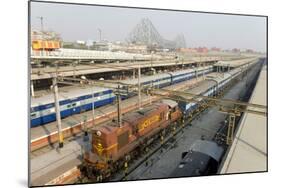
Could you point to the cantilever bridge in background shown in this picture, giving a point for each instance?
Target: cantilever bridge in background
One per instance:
(145, 33)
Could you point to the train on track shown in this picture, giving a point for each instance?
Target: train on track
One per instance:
(81, 99)
(115, 145)
(203, 158)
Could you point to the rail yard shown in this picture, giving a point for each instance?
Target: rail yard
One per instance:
(110, 112)
(158, 118)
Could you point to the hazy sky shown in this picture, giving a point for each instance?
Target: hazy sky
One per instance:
(80, 22)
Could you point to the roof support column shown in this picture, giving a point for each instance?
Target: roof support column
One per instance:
(32, 88)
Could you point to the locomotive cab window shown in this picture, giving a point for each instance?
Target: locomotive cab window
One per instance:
(172, 110)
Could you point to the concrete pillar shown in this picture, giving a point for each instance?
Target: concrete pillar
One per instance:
(93, 106)
(32, 88)
(57, 107)
(119, 114)
(134, 73)
(139, 87)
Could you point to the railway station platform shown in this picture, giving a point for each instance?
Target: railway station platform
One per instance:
(248, 152)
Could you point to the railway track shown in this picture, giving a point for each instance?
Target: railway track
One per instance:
(159, 147)
(172, 142)
(164, 146)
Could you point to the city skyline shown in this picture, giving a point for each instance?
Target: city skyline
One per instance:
(199, 29)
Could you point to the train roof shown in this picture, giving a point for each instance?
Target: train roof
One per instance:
(209, 148)
(161, 75)
(181, 72)
(194, 164)
(196, 160)
(146, 78)
(223, 76)
(204, 85)
(65, 94)
(133, 117)
(188, 70)
(170, 103)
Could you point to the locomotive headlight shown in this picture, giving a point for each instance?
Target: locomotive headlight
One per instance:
(98, 133)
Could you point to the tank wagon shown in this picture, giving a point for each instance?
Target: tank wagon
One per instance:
(114, 145)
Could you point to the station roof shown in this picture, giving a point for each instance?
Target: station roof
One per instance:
(80, 69)
(235, 63)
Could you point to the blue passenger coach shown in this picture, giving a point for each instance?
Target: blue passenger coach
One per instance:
(80, 99)
(72, 102)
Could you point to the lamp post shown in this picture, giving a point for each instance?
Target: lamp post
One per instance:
(42, 30)
(93, 101)
(93, 108)
(57, 107)
(41, 21)
(99, 30)
(151, 59)
(195, 73)
(32, 88)
(139, 87)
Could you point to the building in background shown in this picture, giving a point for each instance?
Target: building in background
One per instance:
(45, 35)
(202, 50)
(215, 49)
(236, 50)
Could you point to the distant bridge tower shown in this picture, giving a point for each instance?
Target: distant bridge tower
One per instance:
(145, 33)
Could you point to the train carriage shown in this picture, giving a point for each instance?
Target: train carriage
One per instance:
(72, 102)
(80, 99)
(210, 87)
